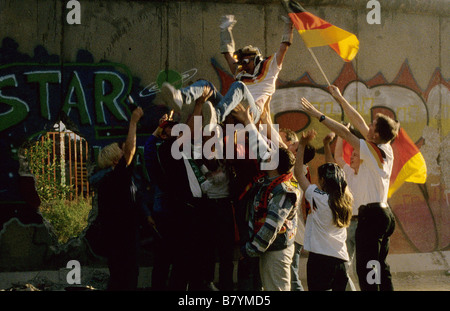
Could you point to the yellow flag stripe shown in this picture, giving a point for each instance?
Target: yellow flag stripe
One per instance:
(327, 36)
(414, 170)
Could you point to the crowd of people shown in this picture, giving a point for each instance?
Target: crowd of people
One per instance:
(208, 209)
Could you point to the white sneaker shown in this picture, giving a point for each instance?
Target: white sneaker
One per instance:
(209, 114)
(171, 96)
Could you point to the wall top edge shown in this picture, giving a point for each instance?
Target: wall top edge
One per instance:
(435, 7)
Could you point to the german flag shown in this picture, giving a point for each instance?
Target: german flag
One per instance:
(317, 32)
(409, 163)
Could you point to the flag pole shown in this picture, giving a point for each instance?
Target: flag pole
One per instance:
(318, 64)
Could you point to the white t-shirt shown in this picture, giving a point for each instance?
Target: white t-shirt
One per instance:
(356, 185)
(262, 86)
(374, 175)
(322, 236)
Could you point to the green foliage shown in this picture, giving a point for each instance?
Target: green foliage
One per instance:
(47, 171)
(68, 218)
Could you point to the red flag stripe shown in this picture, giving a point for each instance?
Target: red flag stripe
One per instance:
(307, 21)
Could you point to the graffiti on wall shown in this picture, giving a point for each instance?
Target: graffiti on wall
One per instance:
(39, 91)
(91, 99)
(422, 210)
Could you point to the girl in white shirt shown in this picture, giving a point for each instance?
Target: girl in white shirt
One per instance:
(325, 232)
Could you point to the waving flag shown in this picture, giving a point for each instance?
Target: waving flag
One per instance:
(317, 32)
(409, 164)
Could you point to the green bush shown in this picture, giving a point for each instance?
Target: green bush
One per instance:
(68, 218)
(47, 186)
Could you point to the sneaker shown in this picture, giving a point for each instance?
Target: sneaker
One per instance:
(171, 96)
(209, 114)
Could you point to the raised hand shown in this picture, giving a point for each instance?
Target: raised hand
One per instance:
(227, 21)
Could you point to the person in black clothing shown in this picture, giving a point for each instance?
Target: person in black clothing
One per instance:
(118, 211)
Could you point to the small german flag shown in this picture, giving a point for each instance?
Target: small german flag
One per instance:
(317, 32)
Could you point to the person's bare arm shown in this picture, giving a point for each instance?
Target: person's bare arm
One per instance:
(286, 39)
(327, 148)
(130, 143)
(333, 125)
(282, 53)
(354, 117)
(339, 152)
(298, 168)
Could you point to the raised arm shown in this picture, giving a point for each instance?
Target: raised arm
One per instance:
(327, 148)
(130, 143)
(286, 39)
(334, 126)
(339, 152)
(298, 168)
(227, 46)
(355, 118)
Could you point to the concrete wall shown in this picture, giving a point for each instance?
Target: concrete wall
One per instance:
(402, 66)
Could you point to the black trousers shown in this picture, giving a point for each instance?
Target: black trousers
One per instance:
(375, 226)
(123, 263)
(325, 273)
(220, 239)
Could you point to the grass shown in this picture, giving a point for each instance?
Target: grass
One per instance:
(68, 218)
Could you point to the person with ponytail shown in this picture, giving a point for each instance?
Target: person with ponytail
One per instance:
(325, 231)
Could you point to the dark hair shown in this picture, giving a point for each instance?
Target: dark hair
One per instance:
(340, 199)
(310, 153)
(286, 161)
(386, 127)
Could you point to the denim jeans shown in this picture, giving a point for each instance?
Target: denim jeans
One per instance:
(351, 246)
(296, 283)
(375, 226)
(223, 105)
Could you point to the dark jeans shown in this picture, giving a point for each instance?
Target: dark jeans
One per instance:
(223, 104)
(248, 277)
(221, 240)
(164, 251)
(123, 264)
(375, 226)
(189, 265)
(325, 273)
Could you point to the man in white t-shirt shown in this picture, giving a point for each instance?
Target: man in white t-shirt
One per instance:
(376, 221)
